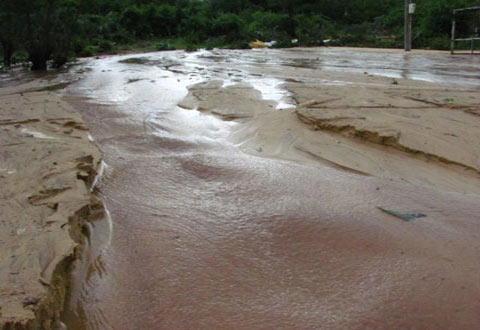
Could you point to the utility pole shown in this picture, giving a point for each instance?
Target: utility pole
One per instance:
(409, 9)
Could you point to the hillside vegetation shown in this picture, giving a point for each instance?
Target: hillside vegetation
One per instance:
(57, 30)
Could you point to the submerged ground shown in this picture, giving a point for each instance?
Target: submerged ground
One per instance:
(282, 189)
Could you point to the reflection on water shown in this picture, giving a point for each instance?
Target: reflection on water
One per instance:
(431, 68)
(207, 237)
(460, 69)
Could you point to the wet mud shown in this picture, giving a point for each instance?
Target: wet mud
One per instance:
(236, 214)
(47, 166)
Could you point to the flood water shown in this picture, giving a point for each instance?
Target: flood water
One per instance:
(203, 236)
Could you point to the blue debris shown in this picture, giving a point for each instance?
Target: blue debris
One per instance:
(407, 217)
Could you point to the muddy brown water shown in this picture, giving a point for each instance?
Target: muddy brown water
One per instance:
(203, 236)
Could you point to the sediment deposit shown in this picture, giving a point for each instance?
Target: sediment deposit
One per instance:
(47, 167)
(410, 131)
(285, 189)
(273, 189)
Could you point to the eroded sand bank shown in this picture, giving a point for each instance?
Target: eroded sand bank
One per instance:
(411, 131)
(47, 166)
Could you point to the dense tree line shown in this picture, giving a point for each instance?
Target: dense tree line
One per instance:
(42, 30)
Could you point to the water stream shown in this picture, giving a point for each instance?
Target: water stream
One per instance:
(204, 236)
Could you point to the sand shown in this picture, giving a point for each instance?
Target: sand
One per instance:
(213, 229)
(47, 165)
(423, 133)
(395, 131)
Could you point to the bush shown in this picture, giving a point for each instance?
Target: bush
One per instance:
(190, 48)
(284, 43)
(162, 46)
(238, 45)
(20, 57)
(196, 28)
(440, 43)
(89, 51)
(311, 30)
(104, 45)
(267, 25)
(435, 19)
(230, 26)
(133, 18)
(162, 19)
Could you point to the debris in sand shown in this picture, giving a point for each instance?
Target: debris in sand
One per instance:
(262, 44)
(407, 217)
(29, 301)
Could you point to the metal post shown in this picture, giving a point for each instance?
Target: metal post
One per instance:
(452, 42)
(405, 28)
(410, 19)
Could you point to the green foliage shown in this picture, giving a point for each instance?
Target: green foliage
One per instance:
(267, 25)
(8, 34)
(161, 46)
(196, 28)
(441, 43)
(435, 19)
(134, 21)
(191, 48)
(312, 30)
(103, 45)
(59, 29)
(108, 27)
(88, 51)
(163, 20)
(230, 26)
(20, 57)
(226, 6)
(237, 45)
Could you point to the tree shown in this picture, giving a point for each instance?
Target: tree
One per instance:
(44, 28)
(230, 26)
(8, 31)
(162, 19)
(48, 29)
(268, 25)
(226, 6)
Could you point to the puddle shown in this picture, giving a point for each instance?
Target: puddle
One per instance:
(271, 90)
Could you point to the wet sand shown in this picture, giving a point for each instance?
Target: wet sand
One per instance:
(47, 165)
(282, 189)
(266, 190)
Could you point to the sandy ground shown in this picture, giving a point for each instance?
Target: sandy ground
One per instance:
(333, 257)
(352, 203)
(47, 163)
(422, 133)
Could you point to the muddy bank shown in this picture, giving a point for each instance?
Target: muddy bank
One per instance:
(47, 168)
(409, 131)
(420, 133)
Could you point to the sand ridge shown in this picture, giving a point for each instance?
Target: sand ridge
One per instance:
(409, 131)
